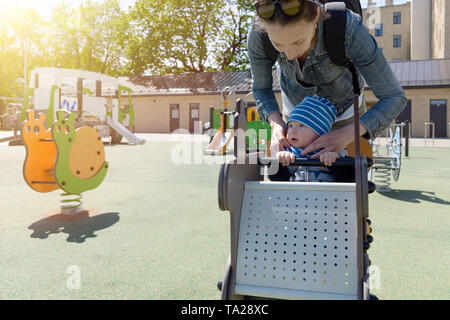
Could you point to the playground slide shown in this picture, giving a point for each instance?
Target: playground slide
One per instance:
(219, 143)
(123, 131)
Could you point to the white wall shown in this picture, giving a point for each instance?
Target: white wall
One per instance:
(421, 30)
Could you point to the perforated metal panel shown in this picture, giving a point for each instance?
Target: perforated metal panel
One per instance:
(298, 236)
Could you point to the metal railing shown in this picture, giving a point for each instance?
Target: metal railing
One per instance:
(407, 137)
(402, 129)
(407, 125)
(433, 132)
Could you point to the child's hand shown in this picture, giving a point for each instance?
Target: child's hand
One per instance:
(285, 158)
(328, 158)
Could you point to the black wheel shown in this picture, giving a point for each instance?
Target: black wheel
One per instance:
(372, 187)
(220, 285)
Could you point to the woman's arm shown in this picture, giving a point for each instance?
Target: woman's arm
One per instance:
(362, 50)
(261, 69)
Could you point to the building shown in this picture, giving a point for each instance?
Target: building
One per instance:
(166, 103)
(411, 31)
(430, 25)
(427, 87)
(169, 102)
(393, 31)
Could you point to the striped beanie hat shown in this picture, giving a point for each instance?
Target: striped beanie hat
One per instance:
(317, 113)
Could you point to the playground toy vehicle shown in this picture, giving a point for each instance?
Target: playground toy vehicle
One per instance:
(62, 157)
(222, 126)
(294, 240)
(224, 133)
(388, 165)
(94, 97)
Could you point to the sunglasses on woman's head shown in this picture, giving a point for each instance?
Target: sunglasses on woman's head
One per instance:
(266, 8)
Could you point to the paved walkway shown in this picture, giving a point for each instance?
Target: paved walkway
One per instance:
(155, 230)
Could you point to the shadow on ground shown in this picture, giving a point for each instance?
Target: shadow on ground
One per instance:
(78, 227)
(414, 196)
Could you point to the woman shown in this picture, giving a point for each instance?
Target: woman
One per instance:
(295, 28)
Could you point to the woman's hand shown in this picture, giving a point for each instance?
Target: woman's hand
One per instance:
(279, 130)
(328, 158)
(334, 141)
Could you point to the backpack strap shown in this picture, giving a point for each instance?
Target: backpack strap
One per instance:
(334, 35)
(334, 32)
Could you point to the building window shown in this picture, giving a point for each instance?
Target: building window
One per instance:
(396, 60)
(381, 50)
(397, 41)
(438, 103)
(397, 17)
(379, 30)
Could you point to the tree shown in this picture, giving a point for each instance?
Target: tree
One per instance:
(156, 37)
(64, 37)
(103, 25)
(231, 50)
(88, 37)
(174, 36)
(21, 31)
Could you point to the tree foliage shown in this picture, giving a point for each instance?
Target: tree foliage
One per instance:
(20, 32)
(231, 52)
(173, 36)
(89, 37)
(152, 37)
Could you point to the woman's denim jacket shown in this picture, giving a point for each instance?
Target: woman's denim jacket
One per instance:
(328, 80)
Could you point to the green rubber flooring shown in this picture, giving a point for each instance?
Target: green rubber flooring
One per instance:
(155, 231)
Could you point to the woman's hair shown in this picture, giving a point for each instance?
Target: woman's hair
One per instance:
(308, 13)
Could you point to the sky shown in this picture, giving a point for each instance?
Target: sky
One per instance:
(381, 2)
(44, 7)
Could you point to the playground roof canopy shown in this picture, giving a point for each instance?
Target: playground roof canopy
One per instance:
(59, 74)
(411, 74)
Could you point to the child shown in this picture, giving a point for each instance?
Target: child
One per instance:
(309, 120)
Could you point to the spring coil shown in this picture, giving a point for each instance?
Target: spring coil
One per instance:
(71, 205)
(383, 179)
